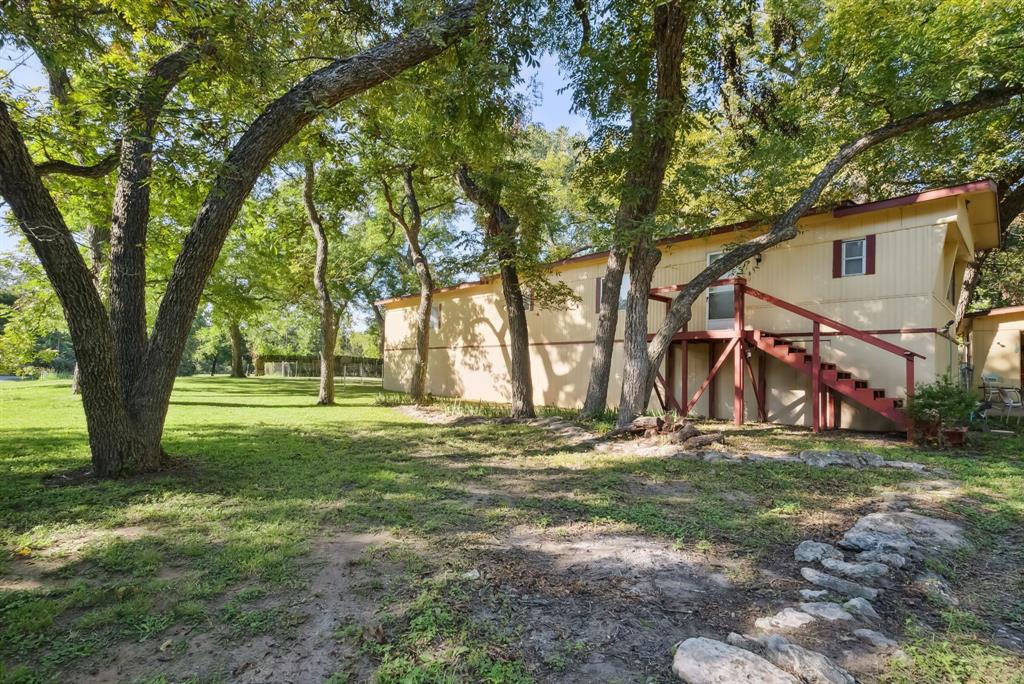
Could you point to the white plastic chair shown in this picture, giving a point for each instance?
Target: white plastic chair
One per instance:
(1011, 400)
(990, 383)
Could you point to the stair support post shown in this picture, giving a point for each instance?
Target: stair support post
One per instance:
(684, 371)
(738, 409)
(816, 378)
(909, 393)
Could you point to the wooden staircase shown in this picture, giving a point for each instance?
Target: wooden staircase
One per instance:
(830, 376)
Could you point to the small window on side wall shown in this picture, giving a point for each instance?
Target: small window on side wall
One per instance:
(528, 300)
(435, 317)
(854, 257)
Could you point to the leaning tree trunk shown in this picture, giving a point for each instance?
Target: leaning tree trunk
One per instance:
(235, 333)
(604, 343)
(328, 322)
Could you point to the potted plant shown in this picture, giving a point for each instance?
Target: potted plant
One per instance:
(940, 411)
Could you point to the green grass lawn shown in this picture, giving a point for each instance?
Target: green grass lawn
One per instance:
(224, 548)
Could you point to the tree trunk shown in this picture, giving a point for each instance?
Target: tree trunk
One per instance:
(604, 343)
(972, 276)
(130, 216)
(378, 315)
(502, 234)
(76, 380)
(637, 373)
(237, 367)
(113, 441)
(418, 383)
(411, 226)
(328, 324)
(213, 364)
(519, 344)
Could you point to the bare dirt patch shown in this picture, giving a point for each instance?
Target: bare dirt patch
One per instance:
(316, 648)
(599, 605)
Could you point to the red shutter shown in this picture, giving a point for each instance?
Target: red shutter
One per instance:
(837, 259)
(869, 249)
(597, 296)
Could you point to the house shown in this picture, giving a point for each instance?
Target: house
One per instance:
(997, 344)
(877, 281)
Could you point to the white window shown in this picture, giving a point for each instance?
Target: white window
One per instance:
(854, 257)
(721, 314)
(435, 317)
(624, 291)
(527, 300)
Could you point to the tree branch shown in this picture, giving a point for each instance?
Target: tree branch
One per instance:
(97, 170)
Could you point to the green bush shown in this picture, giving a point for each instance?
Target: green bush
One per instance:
(941, 404)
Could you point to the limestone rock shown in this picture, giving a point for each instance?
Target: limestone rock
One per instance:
(858, 571)
(839, 585)
(810, 551)
(862, 608)
(893, 560)
(891, 528)
(826, 610)
(876, 639)
(937, 588)
(787, 618)
(813, 594)
(705, 661)
(846, 459)
(810, 666)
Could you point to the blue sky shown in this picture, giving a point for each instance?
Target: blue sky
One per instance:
(551, 109)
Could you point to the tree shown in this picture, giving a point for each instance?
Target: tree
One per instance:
(502, 231)
(629, 67)
(328, 317)
(126, 407)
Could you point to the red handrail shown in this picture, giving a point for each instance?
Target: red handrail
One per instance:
(836, 325)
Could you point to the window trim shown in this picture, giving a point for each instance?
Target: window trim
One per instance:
(863, 257)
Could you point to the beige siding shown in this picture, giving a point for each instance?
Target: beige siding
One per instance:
(996, 347)
(915, 252)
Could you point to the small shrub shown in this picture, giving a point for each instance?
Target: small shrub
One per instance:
(939, 405)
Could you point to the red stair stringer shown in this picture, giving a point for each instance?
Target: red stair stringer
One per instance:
(832, 377)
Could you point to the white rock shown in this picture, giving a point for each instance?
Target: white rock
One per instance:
(936, 587)
(847, 459)
(787, 618)
(839, 585)
(810, 666)
(893, 560)
(876, 639)
(706, 661)
(934, 533)
(473, 574)
(826, 610)
(810, 551)
(862, 607)
(859, 571)
(813, 594)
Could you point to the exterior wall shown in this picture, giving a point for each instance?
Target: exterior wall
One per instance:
(996, 347)
(915, 247)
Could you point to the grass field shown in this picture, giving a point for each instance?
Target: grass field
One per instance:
(293, 541)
